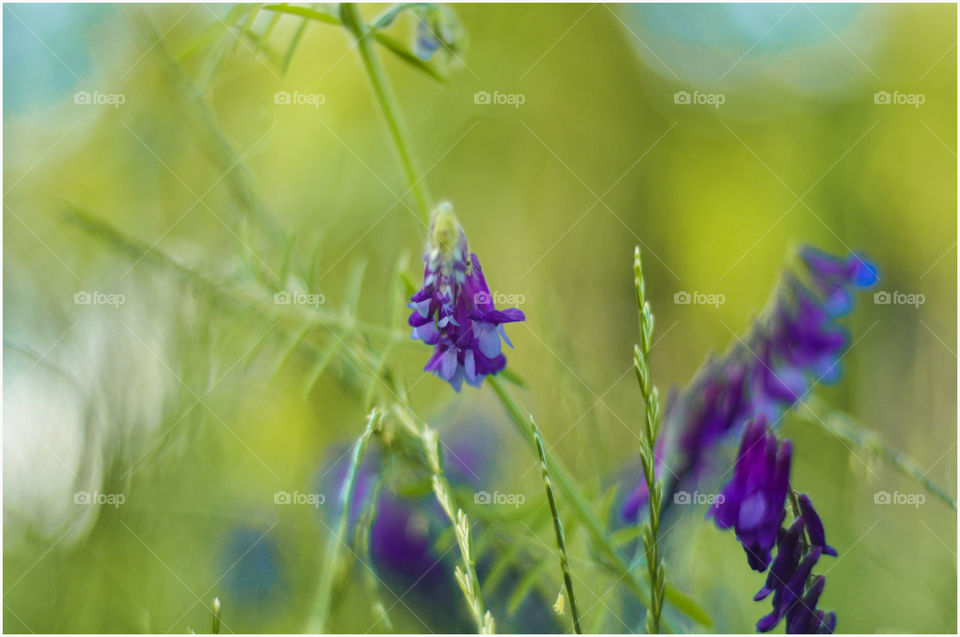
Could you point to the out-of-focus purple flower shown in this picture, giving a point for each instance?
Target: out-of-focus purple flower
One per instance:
(753, 501)
(814, 526)
(796, 344)
(788, 592)
(454, 310)
(789, 575)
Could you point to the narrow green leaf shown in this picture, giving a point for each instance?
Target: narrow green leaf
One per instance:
(526, 583)
(321, 364)
(304, 12)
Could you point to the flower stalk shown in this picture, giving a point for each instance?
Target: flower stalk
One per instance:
(466, 576)
(558, 528)
(388, 104)
(651, 528)
(336, 539)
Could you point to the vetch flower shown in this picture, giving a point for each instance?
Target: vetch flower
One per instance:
(788, 592)
(753, 501)
(454, 310)
(794, 345)
(814, 526)
(790, 574)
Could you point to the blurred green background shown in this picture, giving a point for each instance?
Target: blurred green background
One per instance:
(176, 400)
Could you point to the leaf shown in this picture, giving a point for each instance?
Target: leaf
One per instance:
(288, 351)
(321, 364)
(354, 284)
(304, 12)
(626, 534)
(527, 582)
(294, 43)
(407, 56)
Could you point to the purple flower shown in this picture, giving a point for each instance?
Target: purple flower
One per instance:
(789, 591)
(796, 344)
(814, 526)
(454, 310)
(753, 501)
(790, 573)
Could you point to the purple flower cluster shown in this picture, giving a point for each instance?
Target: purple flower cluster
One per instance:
(795, 346)
(454, 310)
(797, 343)
(754, 503)
(795, 595)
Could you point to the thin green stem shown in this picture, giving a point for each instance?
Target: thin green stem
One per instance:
(388, 104)
(467, 576)
(648, 441)
(597, 531)
(844, 427)
(212, 140)
(321, 613)
(557, 527)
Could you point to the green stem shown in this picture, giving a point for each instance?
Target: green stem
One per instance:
(843, 426)
(466, 577)
(557, 527)
(321, 614)
(212, 140)
(648, 443)
(388, 103)
(598, 533)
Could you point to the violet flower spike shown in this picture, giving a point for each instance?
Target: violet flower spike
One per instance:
(754, 500)
(454, 310)
(796, 344)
